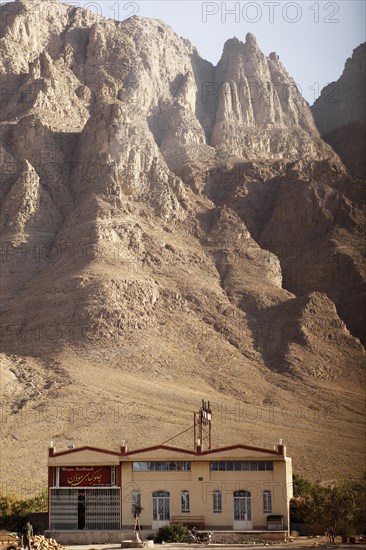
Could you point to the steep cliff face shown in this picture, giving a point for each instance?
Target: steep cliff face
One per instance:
(261, 114)
(169, 222)
(340, 113)
(311, 216)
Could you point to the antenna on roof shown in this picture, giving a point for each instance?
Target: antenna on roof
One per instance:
(202, 426)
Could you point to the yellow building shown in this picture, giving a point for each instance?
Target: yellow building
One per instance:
(228, 488)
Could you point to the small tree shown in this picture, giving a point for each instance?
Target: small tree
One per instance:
(13, 512)
(339, 507)
(301, 486)
(5, 505)
(137, 509)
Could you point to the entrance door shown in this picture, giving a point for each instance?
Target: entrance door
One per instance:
(81, 509)
(161, 509)
(242, 510)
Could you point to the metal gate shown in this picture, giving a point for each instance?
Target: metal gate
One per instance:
(63, 509)
(100, 510)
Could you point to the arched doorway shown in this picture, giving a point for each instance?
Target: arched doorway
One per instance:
(242, 510)
(161, 509)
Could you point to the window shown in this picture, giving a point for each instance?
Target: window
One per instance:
(158, 466)
(244, 465)
(184, 501)
(217, 502)
(267, 502)
(140, 466)
(136, 503)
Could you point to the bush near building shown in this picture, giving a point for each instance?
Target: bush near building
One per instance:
(15, 511)
(339, 506)
(173, 532)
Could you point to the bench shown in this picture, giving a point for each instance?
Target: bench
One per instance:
(190, 521)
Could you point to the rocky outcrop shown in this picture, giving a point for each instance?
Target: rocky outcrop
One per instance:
(27, 229)
(161, 213)
(261, 114)
(340, 113)
(310, 215)
(126, 162)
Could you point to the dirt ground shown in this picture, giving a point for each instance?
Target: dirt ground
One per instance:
(298, 542)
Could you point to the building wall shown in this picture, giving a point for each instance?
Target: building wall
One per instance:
(201, 483)
(289, 487)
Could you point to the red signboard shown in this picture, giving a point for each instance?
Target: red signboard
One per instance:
(85, 476)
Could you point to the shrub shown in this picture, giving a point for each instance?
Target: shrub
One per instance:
(14, 512)
(339, 506)
(174, 532)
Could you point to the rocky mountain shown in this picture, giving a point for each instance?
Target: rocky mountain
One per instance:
(340, 113)
(170, 230)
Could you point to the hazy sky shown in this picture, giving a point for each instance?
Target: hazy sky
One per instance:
(312, 38)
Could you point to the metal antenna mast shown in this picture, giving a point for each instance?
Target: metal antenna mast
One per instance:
(202, 425)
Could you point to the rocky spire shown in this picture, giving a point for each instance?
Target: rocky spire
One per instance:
(260, 110)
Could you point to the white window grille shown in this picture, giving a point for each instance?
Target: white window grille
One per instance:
(267, 502)
(184, 501)
(242, 506)
(217, 502)
(161, 506)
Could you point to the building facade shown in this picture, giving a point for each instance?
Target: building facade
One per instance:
(228, 488)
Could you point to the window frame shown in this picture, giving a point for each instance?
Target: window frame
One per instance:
(267, 502)
(241, 465)
(217, 502)
(161, 466)
(185, 503)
